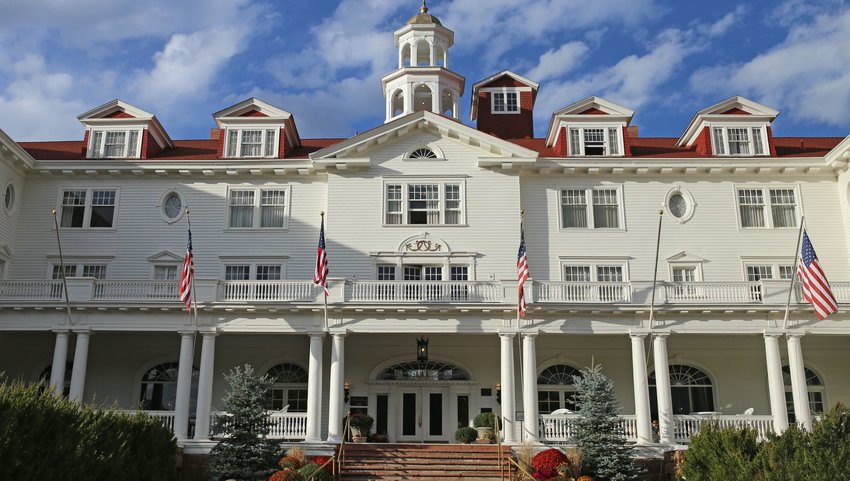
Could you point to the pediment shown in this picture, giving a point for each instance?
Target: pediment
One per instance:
(595, 106)
(115, 109)
(165, 256)
(685, 256)
(253, 109)
(738, 105)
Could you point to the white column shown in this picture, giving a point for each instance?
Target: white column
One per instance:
(205, 385)
(336, 403)
(78, 372)
(184, 384)
(508, 425)
(662, 389)
(800, 389)
(775, 384)
(529, 387)
(432, 49)
(436, 96)
(314, 389)
(644, 424)
(60, 358)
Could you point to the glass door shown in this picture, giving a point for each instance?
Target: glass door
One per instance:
(423, 415)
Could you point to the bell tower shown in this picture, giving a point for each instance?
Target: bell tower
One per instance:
(423, 80)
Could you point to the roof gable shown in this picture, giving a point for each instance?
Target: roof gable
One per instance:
(591, 109)
(115, 109)
(117, 113)
(733, 109)
(252, 107)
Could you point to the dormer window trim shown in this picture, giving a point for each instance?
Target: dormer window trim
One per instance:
(103, 142)
(584, 138)
(505, 100)
(240, 141)
(739, 140)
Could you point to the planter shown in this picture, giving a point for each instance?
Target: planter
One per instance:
(357, 435)
(485, 435)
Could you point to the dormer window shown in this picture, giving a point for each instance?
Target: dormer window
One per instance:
(114, 144)
(738, 141)
(505, 103)
(251, 143)
(595, 141)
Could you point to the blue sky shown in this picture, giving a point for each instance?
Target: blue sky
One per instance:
(322, 60)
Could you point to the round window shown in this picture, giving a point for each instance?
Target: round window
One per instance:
(173, 206)
(677, 205)
(9, 198)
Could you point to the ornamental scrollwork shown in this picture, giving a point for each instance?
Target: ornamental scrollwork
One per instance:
(423, 245)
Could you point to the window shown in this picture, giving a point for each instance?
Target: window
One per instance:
(251, 143)
(505, 103)
(289, 387)
(172, 206)
(2, 269)
(159, 388)
(690, 388)
(757, 272)
(595, 140)
(88, 208)
(9, 198)
(677, 205)
(604, 213)
(422, 153)
(98, 271)
(44, 377)
(426, 203)
(114, 144)
(814, 387)
(556, 388)
(595, 283)
(258, 208)
(738, 141)
(165, 273)
(684, 274)
(767, 207)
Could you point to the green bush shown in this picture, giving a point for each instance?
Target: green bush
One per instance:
(484, 420)
(466, 435)
(314, 470)
(363, 422)
(43, 436)
(717, 453)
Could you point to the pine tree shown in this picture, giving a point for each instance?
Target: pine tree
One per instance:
(605, 453)
(244, 453)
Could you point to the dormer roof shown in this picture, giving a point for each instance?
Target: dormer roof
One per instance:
(251, 110)
(734, 109)
(491, 80)
(592, 109)
(117, 113)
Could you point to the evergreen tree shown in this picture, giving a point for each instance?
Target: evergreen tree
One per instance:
(605, 454)
(244, 453)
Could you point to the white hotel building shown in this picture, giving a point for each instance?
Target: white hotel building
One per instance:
(422, 225)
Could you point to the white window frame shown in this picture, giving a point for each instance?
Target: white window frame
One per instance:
(505, 92)
(722, 138)
(775, 264)
(405, 200)
(88, 206)
(696, 266)
(618, 128)
(264, 129)
(252, 264)
(594, 263)
(97, 151)
(79, 266)
(160, 264)
(689, 200)
(588, 195)
(446, 262)
(767, 210)
(257, 211)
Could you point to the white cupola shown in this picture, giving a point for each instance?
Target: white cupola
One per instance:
(423, 80)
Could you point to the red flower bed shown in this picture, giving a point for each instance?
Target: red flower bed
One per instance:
(549, 460)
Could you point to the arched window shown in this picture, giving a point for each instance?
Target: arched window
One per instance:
(66, 385)
(423, 371)
(289, 387)
(423, 54)
(556, 388)
(159, 388)
(406, 60)
(814, 386)
(422, 98)
(440, 55)
(447, 103)
(422, 153)
(690, 388)
(397, 103)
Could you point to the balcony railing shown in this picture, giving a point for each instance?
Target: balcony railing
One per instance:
(166, 417)
(561, 428)
(713, 292)
(31, 290)
(284, 425)
(583, 292)
(153, 291)
(266, 291)
(423, 291)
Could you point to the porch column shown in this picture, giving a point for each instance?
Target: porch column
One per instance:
(507, 382)
(205, 384)
(336, 403)
(662, 388)
(78, 372)
(775, 384)
(529, 387)
(184, 384)
(314, 389)
(644, 424)
(60, 358)
(802, 413)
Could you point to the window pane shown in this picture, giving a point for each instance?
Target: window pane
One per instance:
(232, 141)
(252, 143)
(719, 145)
(96, 147)
(594, 141)
(609, 273)
(70, 271)
(498, 102)
(574, 142)
(237, 273)
(548, 401)
(783, 207)
(96, 271)
(684, 274)
(459, 273)
(512, 104)
(394, 213)
(739, 142)
(758, 147)
(114, 144)
(272, 208)
(452, 204)
(786, 272)
(73, 208)
(386, 272)
(605, 209)
(103, 208)
(270, 143)
(613, 142)
(577, 273)
(133, 143)
(241, 208)
(757, 273)
(165, 273)
(751, 203)
(297, 400)
(269, 273)
(423, 203)
(574, 208)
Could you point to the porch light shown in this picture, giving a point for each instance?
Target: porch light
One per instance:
(499, 393)
(422, 349)
(346, 389)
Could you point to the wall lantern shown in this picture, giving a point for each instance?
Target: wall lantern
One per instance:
(422, 350)
(499, 393)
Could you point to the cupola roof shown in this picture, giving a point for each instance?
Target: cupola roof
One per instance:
(423, 17)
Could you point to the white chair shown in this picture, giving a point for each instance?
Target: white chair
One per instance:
(749, 411)
(283, 409)
(561, 411)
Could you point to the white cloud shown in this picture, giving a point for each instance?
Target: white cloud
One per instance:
(808, 73)
(720, 27)
(557, 62)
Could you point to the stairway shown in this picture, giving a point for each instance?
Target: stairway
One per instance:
(477, 462)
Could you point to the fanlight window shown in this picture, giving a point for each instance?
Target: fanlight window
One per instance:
(426, 371)
(289, 388)
(559, 375)
(423, 154)
(556, 388)
(690, 388)
(159, 388)
(287, 373)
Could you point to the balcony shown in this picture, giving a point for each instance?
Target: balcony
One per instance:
(713, 292)
(437, 292)
(266, 291)
(583, 292)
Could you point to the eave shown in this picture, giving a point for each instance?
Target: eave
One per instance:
(797, 166)
(19, 158)
(195, 168)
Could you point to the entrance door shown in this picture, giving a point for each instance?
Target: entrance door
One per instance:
(424, 415)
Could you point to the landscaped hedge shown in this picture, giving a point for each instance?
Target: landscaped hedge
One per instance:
(43, 436)
(730, 454)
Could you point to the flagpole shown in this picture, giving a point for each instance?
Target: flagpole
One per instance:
(323, 287)
(62, 267)
(519, 327)
(192, 280)
(655, 271)
(794, 274)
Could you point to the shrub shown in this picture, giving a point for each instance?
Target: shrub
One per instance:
(717, 453)
(466, 435)
(484, 420)
(320, 474)
(549, 459)
(286, 474)
(363, 422)
(43, 436)
(321, 460)
(289, 461)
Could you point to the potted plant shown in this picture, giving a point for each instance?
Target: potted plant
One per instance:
(466, 435)
(483, 424)
(360, 426)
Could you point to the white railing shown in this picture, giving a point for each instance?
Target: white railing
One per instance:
(713, 292)
(583, 292)
(166, 417)
(284, 425)
(108, 290)
(31, 290)
(841, 291)
(686, 426)
(560, 428)
(423, 291)
(266, 291)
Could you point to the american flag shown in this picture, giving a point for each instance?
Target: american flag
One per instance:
(321, 276)
(522, 272)
(187, 274)
(815, 286)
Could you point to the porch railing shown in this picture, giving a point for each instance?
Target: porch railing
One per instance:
(266, 291)
(284, 425)
(50, 290)
(713, 292)
(154, 291)
(166, 417)
(423, 291)
(583, 292)
(561, 428)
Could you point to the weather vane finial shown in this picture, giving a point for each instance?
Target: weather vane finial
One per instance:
(424, 8)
